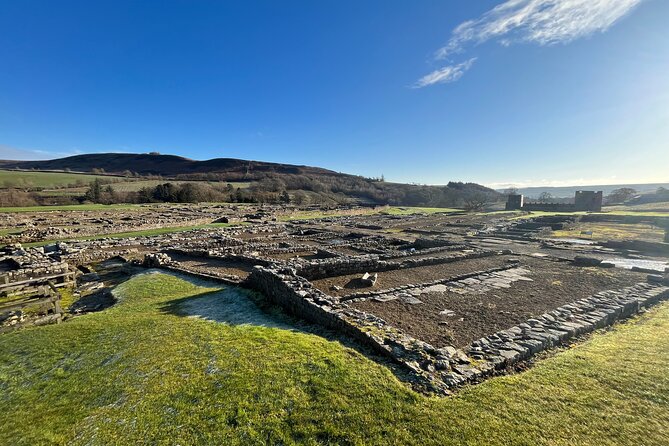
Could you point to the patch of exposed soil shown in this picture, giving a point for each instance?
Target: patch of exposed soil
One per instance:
(209, 266)
(471, 316)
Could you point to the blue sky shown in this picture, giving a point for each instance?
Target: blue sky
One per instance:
(531, 92)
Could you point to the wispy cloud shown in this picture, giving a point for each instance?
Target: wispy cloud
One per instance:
(543, 22)
(449, 73)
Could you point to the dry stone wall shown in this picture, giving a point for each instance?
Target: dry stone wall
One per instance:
(440, 370)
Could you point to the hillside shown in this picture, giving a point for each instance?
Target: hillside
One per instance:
(165, 165)
(263, 182)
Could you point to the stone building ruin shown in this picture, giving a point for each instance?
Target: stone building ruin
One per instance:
(584, 201)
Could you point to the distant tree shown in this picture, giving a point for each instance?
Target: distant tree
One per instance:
(663, 193)
(108, 195)
(165, 192)
(300, 198)
(510, 191)
(154, 153)
(621, 195)
(545, 196)
(94, 192)
(284, 197)
(475, 202)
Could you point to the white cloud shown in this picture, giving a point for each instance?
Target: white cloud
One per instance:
(544, 22)
(449, 73)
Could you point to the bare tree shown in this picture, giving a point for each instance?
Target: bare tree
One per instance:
(621, 195)
(545, 196)
(475, 203)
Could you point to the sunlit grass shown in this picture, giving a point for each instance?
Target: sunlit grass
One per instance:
(138, 374)
(73, 207)
(611, 231)
(390, 210)
(15, 178)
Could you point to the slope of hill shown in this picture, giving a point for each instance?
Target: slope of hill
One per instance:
(266, 181)
(156, 164)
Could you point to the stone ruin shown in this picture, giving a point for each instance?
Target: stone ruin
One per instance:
(29, 283)
(584, 201)
(358, 276)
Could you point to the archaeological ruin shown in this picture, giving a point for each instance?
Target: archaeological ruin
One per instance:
(451, 298)
(584, 201)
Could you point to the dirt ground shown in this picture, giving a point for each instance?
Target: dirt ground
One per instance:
(476, 315)
(209, 266)
(399, 277)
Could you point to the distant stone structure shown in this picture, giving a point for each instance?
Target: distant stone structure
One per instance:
(588, 200)
(584, 200)
(514, 202)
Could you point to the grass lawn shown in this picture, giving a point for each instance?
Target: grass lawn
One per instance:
(137, 373)
(533, 214)
(72, 207)
(14, 178)
(612, 231)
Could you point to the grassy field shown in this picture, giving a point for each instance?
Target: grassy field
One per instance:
(13, 178)
(612, 231)
(73, 207)
(391, 210)
(662, 206)
(533, 214)
(141, 373)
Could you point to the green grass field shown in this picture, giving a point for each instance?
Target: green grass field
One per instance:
(611, 231)
(13, 178)
(391, 210)
(73, 207)
(533, 214)
(138, 373)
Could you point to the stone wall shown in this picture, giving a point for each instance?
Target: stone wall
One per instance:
(297, 296)
(508, 347)
(441, 370)
(360, 264)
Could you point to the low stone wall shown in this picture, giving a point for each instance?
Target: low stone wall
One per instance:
(210, 254)
(508, 347)
(297, 296)
(441, 370)
(48, 270)
(421, 252)
(341, 266)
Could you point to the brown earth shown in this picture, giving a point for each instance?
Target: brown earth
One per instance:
(477, 315)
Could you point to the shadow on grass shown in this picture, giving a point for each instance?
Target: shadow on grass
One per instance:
(238, 306)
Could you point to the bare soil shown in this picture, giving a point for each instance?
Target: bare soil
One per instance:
(209, 266)
(477, 315)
